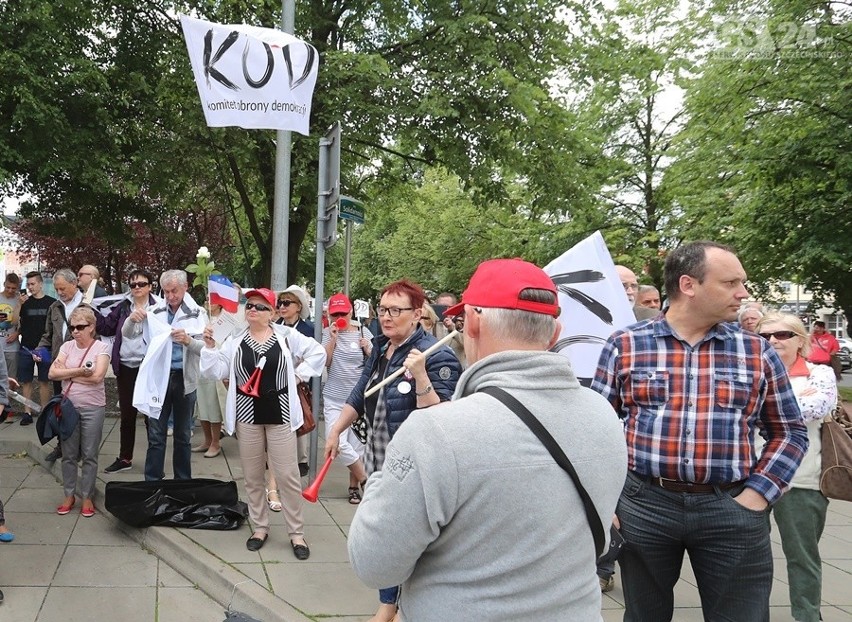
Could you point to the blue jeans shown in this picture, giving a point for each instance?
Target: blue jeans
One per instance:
(181, 406)
(728, 547)
(388, 595)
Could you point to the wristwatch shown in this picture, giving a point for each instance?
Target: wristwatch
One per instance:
(426, 391)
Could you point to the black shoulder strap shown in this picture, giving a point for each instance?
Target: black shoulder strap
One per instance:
(559, 456)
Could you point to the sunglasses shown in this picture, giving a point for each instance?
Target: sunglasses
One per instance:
(339, 314)
(257, 307)
(286, 303)
(139, 285)
(78, 327)
(780, 335)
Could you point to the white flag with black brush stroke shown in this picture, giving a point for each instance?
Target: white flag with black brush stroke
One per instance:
(251, 77)
(592, 300)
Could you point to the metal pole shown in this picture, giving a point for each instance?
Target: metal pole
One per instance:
(281, 202)
(347, 258)
(319, 293)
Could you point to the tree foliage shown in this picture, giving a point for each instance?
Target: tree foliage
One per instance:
(765, 161)
(471, 129)
(459, 85)
(172, 243)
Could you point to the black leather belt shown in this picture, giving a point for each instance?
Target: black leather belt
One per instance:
(674, 485)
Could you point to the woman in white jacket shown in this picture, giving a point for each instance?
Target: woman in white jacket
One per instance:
(266, 424)
(800, 513)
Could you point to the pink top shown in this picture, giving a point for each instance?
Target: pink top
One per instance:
(84, 395)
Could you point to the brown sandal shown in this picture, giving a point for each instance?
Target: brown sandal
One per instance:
(354, 496)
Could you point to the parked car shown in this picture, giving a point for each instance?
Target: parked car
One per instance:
(845, 353)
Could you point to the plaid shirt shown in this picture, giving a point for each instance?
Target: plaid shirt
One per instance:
(690, 412)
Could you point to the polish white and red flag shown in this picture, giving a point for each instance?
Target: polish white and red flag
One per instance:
(223, 293)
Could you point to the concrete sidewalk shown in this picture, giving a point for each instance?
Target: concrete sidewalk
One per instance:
(69, 568)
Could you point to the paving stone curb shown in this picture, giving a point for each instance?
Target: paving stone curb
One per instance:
(214, 577)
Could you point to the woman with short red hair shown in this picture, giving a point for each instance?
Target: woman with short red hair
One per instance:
(426, 383)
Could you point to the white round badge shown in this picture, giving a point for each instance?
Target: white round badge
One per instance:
(354, 345)
(404, 387)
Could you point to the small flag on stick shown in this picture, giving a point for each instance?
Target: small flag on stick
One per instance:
(223, 293)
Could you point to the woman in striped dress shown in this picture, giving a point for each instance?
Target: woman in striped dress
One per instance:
(266, 423)
(346, 347)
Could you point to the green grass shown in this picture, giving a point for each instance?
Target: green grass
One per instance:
(845, 393)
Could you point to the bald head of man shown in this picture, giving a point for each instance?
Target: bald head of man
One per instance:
(86, 275)
(629, 281)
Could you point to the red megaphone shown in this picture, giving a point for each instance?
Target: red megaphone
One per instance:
(342, 323)
(252, 385)
(311, 493)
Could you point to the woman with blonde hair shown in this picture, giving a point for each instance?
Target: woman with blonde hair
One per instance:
(81, 366)
(800, 513)
(429, 319)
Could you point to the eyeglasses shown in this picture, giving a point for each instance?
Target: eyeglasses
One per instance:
(780, 335)
(79, 274)
(257, 307)
(139, 285)
(286, 303)
(393, 311)
(78, 327)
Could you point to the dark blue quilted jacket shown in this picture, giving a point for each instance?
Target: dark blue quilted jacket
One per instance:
(442, 366)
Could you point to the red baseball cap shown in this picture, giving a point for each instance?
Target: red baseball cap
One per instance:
(339, 303)
(267, 294)
(498, 283)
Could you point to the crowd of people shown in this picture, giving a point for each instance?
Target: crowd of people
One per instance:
(703, 417)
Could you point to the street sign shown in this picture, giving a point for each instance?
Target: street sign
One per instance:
(329, 187)
(350, 209)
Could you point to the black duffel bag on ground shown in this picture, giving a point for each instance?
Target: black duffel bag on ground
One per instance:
(194, 503)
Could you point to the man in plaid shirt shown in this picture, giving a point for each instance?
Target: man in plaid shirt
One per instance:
(693, 390)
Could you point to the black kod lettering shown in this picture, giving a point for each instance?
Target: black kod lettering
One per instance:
(270, 65)
(209, 70)
(289, 63)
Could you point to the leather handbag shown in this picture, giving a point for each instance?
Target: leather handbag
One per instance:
(835, 481)
(306, 398)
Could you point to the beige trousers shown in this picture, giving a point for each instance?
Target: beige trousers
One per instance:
(275, 444)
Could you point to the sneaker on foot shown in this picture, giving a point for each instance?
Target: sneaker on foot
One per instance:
(27, 419)
(607, 584)
(119, 465)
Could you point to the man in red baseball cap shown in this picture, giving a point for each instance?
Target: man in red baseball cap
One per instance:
(453, 514)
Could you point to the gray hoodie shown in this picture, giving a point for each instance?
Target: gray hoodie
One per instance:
(472, 515)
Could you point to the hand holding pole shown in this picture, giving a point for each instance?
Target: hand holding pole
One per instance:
(401, 370)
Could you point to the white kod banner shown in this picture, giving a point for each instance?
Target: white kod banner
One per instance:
(251, 77)
(592, 300)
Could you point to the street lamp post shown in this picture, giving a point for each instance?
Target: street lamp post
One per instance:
(281, 201)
